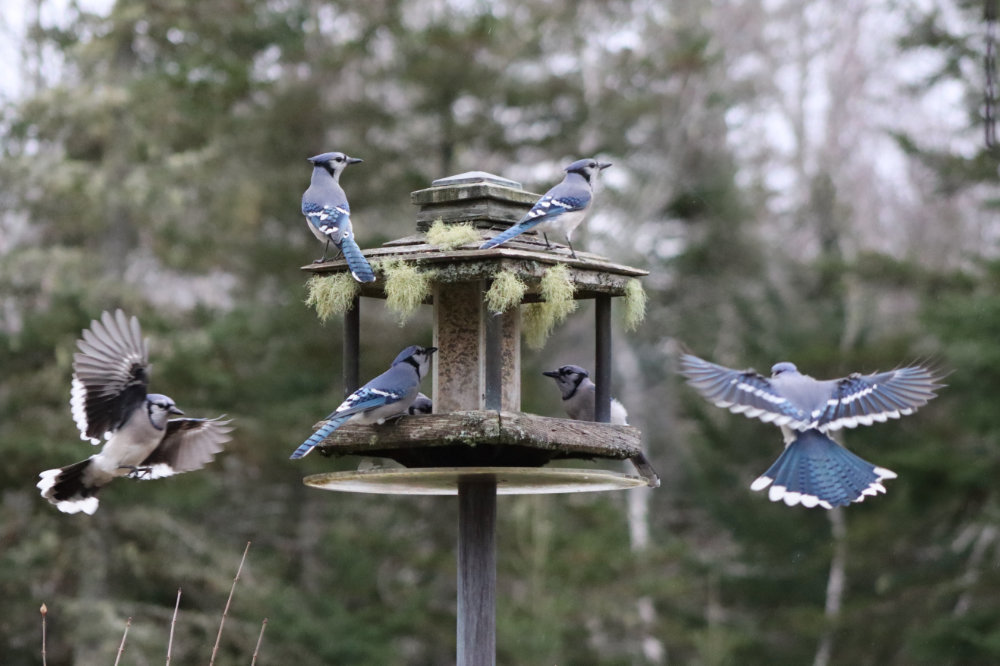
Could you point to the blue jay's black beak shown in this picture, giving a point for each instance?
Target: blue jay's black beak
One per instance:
(551, 373)
(354, 160)
(431, 350)
(175, 410)
(603, 165)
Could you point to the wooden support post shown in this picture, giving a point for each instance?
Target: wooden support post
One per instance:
(493, 357)
(352, 347)
(602, 362)
(477, 573)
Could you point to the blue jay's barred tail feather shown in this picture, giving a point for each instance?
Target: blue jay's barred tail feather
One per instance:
(515, 230)
(360, 268)
(816, 471)
(322, 433)
(70, 489)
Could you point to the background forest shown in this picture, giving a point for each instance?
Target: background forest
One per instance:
(804, 179)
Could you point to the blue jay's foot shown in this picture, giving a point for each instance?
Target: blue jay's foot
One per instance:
(572, 252)
(137, 472)
(391, 419)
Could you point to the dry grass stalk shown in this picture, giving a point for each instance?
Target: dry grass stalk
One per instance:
(225, 612)
(121, 648)
(260, 637)
(173, 623)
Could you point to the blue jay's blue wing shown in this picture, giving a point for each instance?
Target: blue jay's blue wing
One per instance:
(329, 220)
(864, 399)
(363, 400)
(110, 375)
(744, 392)
(560, 199)
(814, 470)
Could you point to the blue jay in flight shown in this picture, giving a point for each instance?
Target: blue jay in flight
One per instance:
(387, 396)
(109, 402)
(328, 214)
(815, 470)
(562, 208)
(579, 396)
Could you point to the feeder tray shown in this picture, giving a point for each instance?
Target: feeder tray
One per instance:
(446, 480)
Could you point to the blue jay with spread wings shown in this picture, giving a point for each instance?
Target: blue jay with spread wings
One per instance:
(562, 208)
(814, 470)
(389, 395)
(328, 214)
(109, 403)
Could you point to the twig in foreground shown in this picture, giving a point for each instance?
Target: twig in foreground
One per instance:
(173, 623)
(121, 648)
(44, 610)
(225, 612)
(260, 637)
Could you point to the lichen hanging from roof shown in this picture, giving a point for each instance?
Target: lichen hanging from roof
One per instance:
(331, 295)
(538, 319)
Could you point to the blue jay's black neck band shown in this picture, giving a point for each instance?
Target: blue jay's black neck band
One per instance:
(411, 361)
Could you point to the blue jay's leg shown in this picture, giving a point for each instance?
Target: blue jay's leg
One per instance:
(571, 250)
(546, 237)
(325, 248)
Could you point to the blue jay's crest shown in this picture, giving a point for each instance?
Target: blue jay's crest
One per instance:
(334, 158)
(587, 167)
(328, 214)
(387, 396)
(815, 470)
(562, 208)
(108, 399)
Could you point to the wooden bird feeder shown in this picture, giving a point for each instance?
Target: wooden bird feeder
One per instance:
(478, 443)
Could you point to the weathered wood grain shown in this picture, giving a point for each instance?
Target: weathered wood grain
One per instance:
(484, 437)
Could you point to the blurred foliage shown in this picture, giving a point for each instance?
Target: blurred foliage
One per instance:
(156, 162)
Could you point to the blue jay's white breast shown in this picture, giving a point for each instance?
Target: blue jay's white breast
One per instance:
(129, 446)
(316, 232)
(566, 222)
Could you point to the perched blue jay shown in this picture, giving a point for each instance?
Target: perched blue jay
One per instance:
(562, 208)
(579, 396)
(109, 400)
(388, 395)
(421, 405)
(579, 393)
(814, 469)
(328, 214)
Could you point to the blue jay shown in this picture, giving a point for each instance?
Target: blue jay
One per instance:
(387, 396)
(421, 405)
(109, 401)
(814, 469)
(562, 208)
(579, 395)
(328, 214)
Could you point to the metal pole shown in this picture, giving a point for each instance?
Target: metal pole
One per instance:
(477, 573)
(352, 347)
(602, 362)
